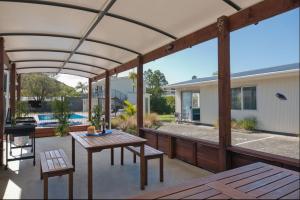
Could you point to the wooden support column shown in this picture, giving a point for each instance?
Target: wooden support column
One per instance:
(140, 95)
(90, 99)
(2, 111)
(12, 90)
(19, 87)
(107, 99)
(224, 91)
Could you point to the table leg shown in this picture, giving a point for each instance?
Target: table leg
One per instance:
(73, 153)
(161, 168)
(90, 175)
(6, 151)
(33, 148)
(112, 156)
(142, 163)
(71, 185)
(45, 186)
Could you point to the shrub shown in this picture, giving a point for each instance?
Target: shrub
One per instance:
(129, 109)
(129, 123)
(248, 123)
(62, 114)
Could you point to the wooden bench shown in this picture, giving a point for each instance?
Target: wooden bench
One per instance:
(56, 163)
(150, 153)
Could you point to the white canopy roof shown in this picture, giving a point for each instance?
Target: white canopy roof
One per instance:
(72, 36)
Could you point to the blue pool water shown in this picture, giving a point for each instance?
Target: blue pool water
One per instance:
(51, 117)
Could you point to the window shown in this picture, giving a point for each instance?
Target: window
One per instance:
(196, 100)
(249, 98)
(236, 103)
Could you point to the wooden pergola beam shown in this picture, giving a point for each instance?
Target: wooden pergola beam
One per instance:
(12, 90)
(224, 91)
(90, 100)
(19, 87)
(140, 95)
(2, 110)
(107, 99)
(251, 15)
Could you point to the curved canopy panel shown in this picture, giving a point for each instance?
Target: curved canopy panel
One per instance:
(86, 38)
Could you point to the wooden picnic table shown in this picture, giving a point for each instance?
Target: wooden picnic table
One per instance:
(94, 144)
(254, 181)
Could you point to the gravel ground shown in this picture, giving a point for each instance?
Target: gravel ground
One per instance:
(260, 141)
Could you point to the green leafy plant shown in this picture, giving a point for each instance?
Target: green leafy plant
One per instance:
(22, 109)
(129, 109)
(62, 113)
(248, 123)
(96, 116)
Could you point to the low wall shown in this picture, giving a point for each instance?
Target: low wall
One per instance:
(205, 154)
(48, 132)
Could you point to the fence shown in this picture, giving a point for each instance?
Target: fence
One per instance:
(43, 111)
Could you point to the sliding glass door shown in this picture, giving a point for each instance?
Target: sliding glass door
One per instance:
(190, 106)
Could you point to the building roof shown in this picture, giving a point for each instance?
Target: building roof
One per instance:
(252, 73)
(87, 38)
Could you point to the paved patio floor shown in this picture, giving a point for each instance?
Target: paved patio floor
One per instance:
(22, 180)
(265, 142)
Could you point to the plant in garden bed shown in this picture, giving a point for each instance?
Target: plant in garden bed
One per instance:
(128, 122)
(249, 124)
(62, 113)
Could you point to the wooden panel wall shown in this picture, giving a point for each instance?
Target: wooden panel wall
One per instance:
(205, 154)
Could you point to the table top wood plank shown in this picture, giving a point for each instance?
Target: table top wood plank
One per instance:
(263, 182)
(115, 139)
(220, 196)
(255, 178)
(273, 186)
(281, 192)
(258, 180)
(293, 195)
(229, 191)
(246, 175)
(204, 195)
(186, 193)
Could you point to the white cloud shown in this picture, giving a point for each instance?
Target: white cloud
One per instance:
(71, 80)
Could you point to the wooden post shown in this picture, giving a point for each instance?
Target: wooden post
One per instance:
(19, 87)
(140, 95)
(107, 98)
(2, 110)
(90, 99)
(12, 88)
(224, 92)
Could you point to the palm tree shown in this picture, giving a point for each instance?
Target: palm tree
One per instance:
(133, 76)
(81, 87)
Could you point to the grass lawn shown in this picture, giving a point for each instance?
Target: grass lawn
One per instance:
(167, 118)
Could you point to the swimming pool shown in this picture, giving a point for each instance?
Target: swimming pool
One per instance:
(43, 117)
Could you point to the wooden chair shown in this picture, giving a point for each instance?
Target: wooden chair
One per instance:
(56, 163)
(150, 153)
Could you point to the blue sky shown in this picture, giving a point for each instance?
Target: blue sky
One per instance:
(272, 42)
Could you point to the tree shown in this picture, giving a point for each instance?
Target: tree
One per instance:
(40, 86)
(155, 80)
(133, 76)
(215, 73)
(82, 88)
(194, 77)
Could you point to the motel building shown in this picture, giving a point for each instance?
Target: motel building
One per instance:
(270, 95)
